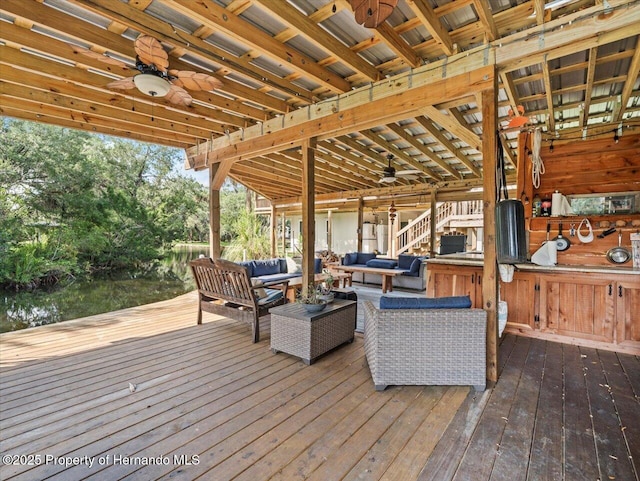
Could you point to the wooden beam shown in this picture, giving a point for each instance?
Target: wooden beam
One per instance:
(308, 213)
(273, 224)
(433, 24)
(490, 273)
(223, 20)
(360, 222)
(571, 33)
(319, 37)
(384, 102)
(433, 220)
(632, 73)
(215, 247)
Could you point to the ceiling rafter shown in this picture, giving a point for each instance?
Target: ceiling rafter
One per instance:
(64, 51)
(232, 25)
(588, 88)
(303, 26)
(432, 23)
(165, 32)
(633, 72)
(390, 147)
(265, 105)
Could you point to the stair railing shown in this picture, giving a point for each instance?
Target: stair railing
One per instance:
(418, 231)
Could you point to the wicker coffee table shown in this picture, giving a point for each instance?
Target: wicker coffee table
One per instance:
(309, 335)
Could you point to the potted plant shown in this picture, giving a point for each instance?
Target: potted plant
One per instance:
(326, 286)
(312, 301)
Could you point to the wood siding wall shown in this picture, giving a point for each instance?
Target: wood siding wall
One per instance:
(583, 167)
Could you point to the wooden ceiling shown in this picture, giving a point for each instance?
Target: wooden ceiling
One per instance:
(572, 65)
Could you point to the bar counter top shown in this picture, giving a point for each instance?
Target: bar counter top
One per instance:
(477, 259)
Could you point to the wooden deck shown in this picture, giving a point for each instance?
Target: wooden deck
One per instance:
(209, 404)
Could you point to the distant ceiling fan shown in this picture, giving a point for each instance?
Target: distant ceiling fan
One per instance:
(153, 78)
(390, 174)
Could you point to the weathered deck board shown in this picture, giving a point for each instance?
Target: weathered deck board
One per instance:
(558, 411)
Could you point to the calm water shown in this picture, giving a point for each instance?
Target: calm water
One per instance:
(85, 298)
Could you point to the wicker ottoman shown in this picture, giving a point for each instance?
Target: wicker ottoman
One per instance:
(309, 335)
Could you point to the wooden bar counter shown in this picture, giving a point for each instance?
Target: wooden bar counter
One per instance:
(595, 306)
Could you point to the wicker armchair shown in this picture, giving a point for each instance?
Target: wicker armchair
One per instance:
(425, 346)
(225, 288)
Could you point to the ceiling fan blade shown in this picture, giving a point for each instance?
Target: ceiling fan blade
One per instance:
(122, 84)
(408, 172)
(150, 52)
(372, 13)
(194, 80)
(98, 56)
(178, 96)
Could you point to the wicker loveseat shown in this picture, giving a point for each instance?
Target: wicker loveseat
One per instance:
(425, 346)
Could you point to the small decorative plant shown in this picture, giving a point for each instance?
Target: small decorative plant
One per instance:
(312, 301)
(327, 284)
(313, 296)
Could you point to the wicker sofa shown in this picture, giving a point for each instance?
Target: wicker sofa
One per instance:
(425, 346)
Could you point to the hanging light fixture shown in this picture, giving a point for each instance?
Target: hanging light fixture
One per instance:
(392, 212)
(151, 84)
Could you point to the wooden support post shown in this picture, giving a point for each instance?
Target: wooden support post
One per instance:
(525, 170)
(273, 227)
(329, 230)
(490, 273)
(360, 222)
(308, 212)
(215, 251)
(432, 223)
(284, 234)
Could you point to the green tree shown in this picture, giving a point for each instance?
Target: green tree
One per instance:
(80, 202)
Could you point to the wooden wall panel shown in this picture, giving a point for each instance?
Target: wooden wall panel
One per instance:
(584, 167)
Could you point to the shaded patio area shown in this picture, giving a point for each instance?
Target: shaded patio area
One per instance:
(144, 393)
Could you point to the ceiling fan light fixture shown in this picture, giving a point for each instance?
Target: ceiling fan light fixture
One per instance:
(388, 178)
(152, 85)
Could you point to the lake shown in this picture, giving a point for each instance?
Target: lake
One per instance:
(171, 278)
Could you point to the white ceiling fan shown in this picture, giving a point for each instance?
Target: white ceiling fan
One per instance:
(390, 174)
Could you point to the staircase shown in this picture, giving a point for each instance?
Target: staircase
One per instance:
(415, 237)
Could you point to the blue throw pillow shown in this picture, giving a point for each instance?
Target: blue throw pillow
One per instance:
(381, 263)
(249, 266)
(453, 302)
(317, 266)
(283, 264)
(363, 257)
(404, 261)
(349, 258)
(415, 266)
(266, 267)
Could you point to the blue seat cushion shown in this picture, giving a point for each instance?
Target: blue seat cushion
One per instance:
(405, 260)
(266, 267)
(364, 257)
(278, 277)
(453, 302)
(271, 295)
(349, 258)
(283, 264)
(382, 263)
(249, 266)
(414, 270)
